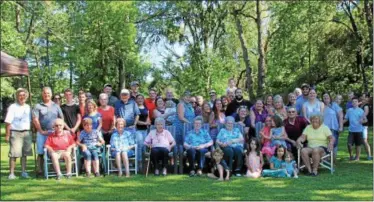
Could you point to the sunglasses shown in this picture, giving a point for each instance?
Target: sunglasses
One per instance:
(59, 125)
(291, 112)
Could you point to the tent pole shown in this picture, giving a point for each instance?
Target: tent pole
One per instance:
(32, 129)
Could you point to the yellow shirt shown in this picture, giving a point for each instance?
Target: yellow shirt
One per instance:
(317, 137)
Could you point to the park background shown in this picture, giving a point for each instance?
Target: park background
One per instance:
(268, 47)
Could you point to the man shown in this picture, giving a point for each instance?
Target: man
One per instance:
(111, 98)
(82, 102)
(303, 98)
(170, 96)
(213, 96)
(17, 132)
(127, 109)
(71, 113)
(294, 126)
(44, 115)
(59, 146)
(237, 102)
(134, 89)
(150, 102)
(199, 100)
(349, 103)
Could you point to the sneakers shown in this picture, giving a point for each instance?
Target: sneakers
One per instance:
(192, 173)
(58, 177)
(25, 175)
(88, 175)
(68, 176)
(370, 158)
(97, 174)
(238, 174)
(12, 177)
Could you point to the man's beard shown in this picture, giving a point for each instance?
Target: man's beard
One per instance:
(239, 98)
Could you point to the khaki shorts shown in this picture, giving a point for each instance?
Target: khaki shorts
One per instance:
(20, 144)
(60, 153)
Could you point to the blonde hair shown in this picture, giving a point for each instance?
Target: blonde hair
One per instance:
(87, 120)
(317, 115)
(93, 103)
(20, 90)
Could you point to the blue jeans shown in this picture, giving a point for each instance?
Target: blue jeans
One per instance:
(231, 153)
(258, 128)
(91, 154)
(336, 137)
(199, 155)
(140, 137)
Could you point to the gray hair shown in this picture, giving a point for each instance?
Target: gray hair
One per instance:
(290, 94)
(22, 90)
(291, 107)
(103, 95)
(297, 90)
(229, 119)
(278, 98)
(47, 89)
(198, 118)
(160, 120)
(317, 115)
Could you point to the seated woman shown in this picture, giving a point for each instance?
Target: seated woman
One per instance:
(90, 141)
(320, 141)
(160, 141)
(122, 142)
(231, 141)
(258, 114)
(60, 145)
(197, 143)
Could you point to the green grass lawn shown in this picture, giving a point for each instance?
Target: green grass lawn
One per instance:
(351, 181)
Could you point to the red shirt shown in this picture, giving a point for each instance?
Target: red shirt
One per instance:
(60, 142)
(151, 105)
(296, 130)
(107, 117)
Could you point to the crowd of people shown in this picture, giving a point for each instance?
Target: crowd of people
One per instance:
(272, 131)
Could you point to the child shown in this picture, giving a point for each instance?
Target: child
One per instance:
(253, 159)
(276, 162)
(290, 165)
(231, 87)
(278, 134)
(356, 118)
(219, 166)
(267, 148)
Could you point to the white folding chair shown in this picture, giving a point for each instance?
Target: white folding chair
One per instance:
(327, 161)
(48, 167)
(112, 161)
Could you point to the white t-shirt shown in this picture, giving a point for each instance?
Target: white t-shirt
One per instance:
(19, 117)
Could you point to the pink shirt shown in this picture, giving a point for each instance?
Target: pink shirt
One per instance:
(163, 139)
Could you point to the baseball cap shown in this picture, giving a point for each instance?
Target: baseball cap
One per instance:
(305, 85)
(125, 91)
(134, 83)
(212, 92)
(107, 85)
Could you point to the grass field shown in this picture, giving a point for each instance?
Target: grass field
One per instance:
(351, 181)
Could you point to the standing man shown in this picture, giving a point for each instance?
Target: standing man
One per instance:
(213, 96)
(111, 98)
(170, 96)
(127, 109)
(17, 132)
(71, 113)
(303, 98)
(44, 115)
(349, 103)
(134, 90)
(150, 102)
(237, 102)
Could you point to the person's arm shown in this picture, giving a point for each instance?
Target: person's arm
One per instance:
(272, 166)
(212, 123)
(79, 143)
(252, 118)
(38, 127)
(346, 117)
(340, 115)
(180, 109)
(100, 123)
(261, 160)
(49, 149)
(171, 141)
(331, 142)
(304, 113)
(322, 107)
(136, 121)
(301, 140)
(78, 123)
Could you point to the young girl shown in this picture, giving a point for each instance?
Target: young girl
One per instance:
(267, 148)
(278, 134)
(219, 166)
(94, 115)
(253, 159)
(290, 165)
(276, 162)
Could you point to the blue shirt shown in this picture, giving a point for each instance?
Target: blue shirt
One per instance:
(331, 116)
(195, 139)
(127, 111)
(90, 139)
(290, 166)
(95, 120)
(299, 104)
(348, 105)
(122, 142)
(354, 116)
(277, 163)
(47, 115)
(224, 136)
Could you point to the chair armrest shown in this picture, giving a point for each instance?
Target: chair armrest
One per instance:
(108, 146)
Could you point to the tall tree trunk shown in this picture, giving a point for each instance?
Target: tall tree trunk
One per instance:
(361, 67)
(121, 76)
(18, 18)
(369, 21)
(248, 71)
(261, 58)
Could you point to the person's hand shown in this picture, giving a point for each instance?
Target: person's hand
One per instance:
(7, 138)
(330, 147)
(299, 145)
(99, 144)
(148, 123)
(84, 147)
(293, 142)
(341, 129)
(45, 132)
(133, 126)
(72, 130)
(198, 147)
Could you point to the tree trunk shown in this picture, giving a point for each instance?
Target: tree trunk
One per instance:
(248, 71)
(369, 21)
(361, 67)
(261, 58)
(121, 76)
(18, 18)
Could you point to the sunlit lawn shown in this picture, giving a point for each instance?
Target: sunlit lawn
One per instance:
(351, 181)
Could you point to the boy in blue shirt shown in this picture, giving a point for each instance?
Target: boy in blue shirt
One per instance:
(356, 118)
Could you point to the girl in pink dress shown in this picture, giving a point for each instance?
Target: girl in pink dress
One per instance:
(267, 149)
(253, 159)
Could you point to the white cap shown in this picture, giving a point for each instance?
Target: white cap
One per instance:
(125, 91)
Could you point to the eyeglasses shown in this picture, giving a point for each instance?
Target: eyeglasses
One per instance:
(59, 125)
(291, 112)
(57, 98)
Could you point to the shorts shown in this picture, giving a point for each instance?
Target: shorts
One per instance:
(40, 141)
(325, 149)
(20, 144)
(130, 153)
(355, 138)
(365, 132)
(60, 153)
(91, 154)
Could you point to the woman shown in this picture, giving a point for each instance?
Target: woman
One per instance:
(122, 142)
(269, 104)
(320, 141)
(333, 119)
(225, 102)
(195, 106)
(216, 117)
(368, 110)
(160, 110)
(90, 141)
(258, 115)
(231, 141)
(107, 117)
(160, 141)
(141, 127)
(92, 113)
(82, 103)
(243, 119)
(197, 143)
(312, 106)
(57, 99)
(206, 112)
(279, 108)
(291, 100)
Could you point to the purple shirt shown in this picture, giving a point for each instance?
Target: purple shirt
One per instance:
(259, 117)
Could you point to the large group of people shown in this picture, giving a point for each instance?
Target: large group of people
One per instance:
(266, 143)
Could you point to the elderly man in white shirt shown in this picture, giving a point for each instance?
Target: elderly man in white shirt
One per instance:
(17, 123)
